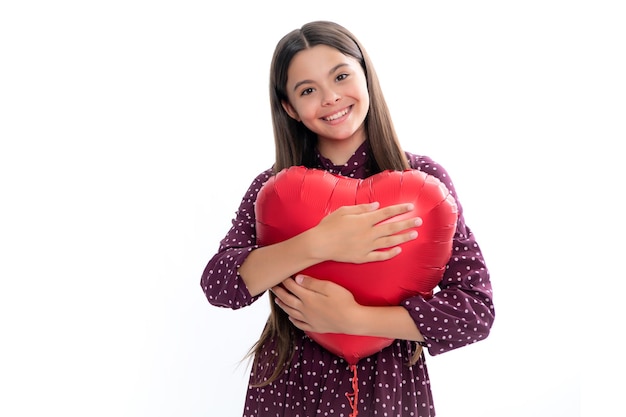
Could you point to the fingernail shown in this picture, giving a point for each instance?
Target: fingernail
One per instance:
(299, 279)
(410, 206)
(413, 234)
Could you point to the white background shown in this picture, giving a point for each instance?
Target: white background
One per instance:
(131, 129)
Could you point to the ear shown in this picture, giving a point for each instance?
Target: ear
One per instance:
(290, 110)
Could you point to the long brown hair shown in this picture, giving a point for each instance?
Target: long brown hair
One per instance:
(295, 145)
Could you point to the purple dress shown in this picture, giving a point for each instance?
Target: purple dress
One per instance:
(461, 312)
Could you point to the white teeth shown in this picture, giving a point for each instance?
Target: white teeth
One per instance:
(336, 115)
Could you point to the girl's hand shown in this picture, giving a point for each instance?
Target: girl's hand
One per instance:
(353, 233)
(315, 305)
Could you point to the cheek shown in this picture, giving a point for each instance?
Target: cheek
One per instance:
(366, 99)
(365, 94)
(307, 112)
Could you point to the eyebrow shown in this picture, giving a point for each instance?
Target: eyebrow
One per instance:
(333, 69)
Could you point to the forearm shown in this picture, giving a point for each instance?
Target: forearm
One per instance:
(393, 322)
(268, 266)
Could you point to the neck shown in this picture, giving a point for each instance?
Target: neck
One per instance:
(339, 151)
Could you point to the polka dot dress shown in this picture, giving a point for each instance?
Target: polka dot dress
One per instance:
(316, 382)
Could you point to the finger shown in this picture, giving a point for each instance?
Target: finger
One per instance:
(383, 255)
(386, 242)
(286, 297)
(287, 309)
(279, 291)
(292, 306)
(391, 211)
(358, 208)
(391, 228)
(292, 287)
(311, 284)
(302, 325)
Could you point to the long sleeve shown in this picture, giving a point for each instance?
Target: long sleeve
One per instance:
(220, 281)
(461, 312)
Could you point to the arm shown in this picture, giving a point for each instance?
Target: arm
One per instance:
(267, 266)
(462, 311)
(459, 314)
(349, 234)
(392, 322)
(325, 307)
(221, 282)
(241, 270)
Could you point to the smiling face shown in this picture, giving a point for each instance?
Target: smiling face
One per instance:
(327, 92)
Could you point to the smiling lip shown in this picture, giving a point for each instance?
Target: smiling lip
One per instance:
(337, 115)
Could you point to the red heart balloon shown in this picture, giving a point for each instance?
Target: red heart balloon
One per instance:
(297, 198)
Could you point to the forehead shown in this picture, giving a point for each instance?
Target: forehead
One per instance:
(317, 62)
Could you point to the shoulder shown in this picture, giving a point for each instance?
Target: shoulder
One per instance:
(431, 167)
(250, 196)
(428, 165)
(259, 181)
(263, 176)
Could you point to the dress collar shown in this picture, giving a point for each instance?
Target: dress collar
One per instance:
(356, 167)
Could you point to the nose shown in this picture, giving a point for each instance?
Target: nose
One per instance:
(330, 97)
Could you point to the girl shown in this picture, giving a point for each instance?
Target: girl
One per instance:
(328, 112)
